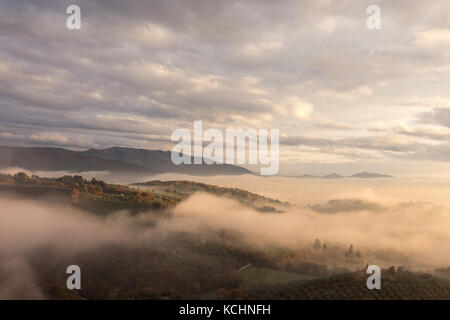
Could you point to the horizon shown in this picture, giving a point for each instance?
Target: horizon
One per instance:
(300, 175)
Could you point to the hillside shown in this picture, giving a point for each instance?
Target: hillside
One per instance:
(56, 159)
(186, 188)
(134, 162)
(100, 197)
(95, 196)
(396, 284)
(161, 162)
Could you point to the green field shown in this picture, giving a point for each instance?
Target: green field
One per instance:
(254, 276)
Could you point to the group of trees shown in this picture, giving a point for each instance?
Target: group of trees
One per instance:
(247, 198)
(349, 253)
(93, 195)
(318, 245)
(23, 178)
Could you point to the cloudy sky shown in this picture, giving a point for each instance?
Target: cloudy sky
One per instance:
(344, 97)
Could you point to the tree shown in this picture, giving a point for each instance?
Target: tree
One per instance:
(78, 179)
(21, 177)
(149, 293)
(317, 245)
(99, 183)
(350, 250)
(66, 180)
(95, 189)
(237, 294)
(223, 293)
(75, 194)
(391, 270)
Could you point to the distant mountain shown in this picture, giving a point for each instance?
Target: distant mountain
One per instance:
(56, 159)
(369, 175)
(306, 176)
(116, 160)
(332, 176)
(362, 175)
(161, 161)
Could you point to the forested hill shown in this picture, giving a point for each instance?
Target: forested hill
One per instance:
(101, 197)
(184, 187)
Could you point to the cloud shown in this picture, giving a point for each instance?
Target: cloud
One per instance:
(439, 116)
(49, 137)
(436, 37)
(381, 142)
(301, 109)
(427, 102)
(438, 152)
(332, 124)
(138, 71)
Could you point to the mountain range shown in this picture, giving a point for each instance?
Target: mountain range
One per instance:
(115, 160)
(362, 175)
(128, 161)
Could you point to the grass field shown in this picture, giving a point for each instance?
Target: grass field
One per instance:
(254, 276)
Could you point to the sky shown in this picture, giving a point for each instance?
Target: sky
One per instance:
(345, 98)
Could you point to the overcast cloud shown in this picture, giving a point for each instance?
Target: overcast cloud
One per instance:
(338, 92)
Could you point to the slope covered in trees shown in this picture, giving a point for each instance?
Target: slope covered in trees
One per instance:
(396, 284)
(186, 188)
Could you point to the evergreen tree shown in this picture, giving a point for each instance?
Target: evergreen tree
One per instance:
(350, 250)
(317, 245)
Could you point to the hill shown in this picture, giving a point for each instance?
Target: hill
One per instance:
(56, 159)
(187, 188)
(100, 197)
(161, 162)
(95, 196)
(396, 284)
(116, 160)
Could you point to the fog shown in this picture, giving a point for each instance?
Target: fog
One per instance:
(389, 215)
(300, 191)
(420, 230)
(27, 225)
(309, 191)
